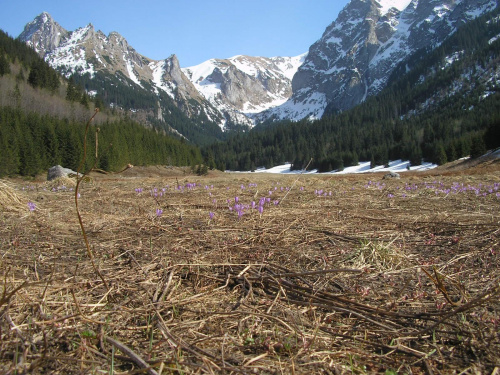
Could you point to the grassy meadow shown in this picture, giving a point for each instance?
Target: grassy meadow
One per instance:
(251, 273)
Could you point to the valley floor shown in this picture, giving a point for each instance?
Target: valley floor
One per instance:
(320, 274)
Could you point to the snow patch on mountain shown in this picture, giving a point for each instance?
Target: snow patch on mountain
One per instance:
(494, 39)
(242, 86)
(397, 45)
(199, 74)
(130, 70)
(289, 66)
(386, 5)
(312, 109)
(158, 70)
(71, 55)
(487, 7)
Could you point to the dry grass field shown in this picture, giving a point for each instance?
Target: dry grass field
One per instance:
(252, 273)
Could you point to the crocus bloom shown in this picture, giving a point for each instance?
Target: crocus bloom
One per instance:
(31, 206)
(211, 215)
(159, 212)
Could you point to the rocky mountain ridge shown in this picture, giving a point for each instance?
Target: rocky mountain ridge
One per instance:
(223, 89)
(353, 59)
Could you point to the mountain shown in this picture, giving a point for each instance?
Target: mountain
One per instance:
(43, 34)
(221, 92)
(87, 51)
(242, 85)
(358, 52)
(353, 60)
(440, 104)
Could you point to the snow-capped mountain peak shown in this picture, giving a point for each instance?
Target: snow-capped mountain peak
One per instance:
(243, 85)
(43, 33)
(225, 90)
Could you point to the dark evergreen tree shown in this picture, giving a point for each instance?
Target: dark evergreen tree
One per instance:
(4, 65)
(73, 93)
(478, 147)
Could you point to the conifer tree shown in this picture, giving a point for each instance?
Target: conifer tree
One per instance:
(478, 147)
(4, 65)
(72, 91)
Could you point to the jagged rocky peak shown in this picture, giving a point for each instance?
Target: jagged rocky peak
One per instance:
(43, 34)
(230, 89)
(174, 73)
(116, 39)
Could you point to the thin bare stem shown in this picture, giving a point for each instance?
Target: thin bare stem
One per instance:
(77, 188)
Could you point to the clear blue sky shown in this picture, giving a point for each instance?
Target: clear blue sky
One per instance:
(194, 30)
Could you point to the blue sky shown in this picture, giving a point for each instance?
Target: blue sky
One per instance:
(194, 30)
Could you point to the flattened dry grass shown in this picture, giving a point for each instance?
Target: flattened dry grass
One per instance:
(10, 200)
(354, 281)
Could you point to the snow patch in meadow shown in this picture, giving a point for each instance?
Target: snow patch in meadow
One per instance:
(397, 166)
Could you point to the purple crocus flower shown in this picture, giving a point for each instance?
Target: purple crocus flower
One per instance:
(31, 206)
(159, 212)
(211, 215)
(261, 209)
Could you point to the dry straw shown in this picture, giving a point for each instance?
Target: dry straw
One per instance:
(10, 200)
(336, 284)
(61, 182)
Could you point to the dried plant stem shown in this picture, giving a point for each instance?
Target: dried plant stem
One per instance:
(297, 179)
(78, 181)
(130, 353)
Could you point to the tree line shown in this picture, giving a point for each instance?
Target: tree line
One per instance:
(31, 143)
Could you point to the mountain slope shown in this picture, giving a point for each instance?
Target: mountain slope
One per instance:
(242, 84)
(359, 50)
(41, 124)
